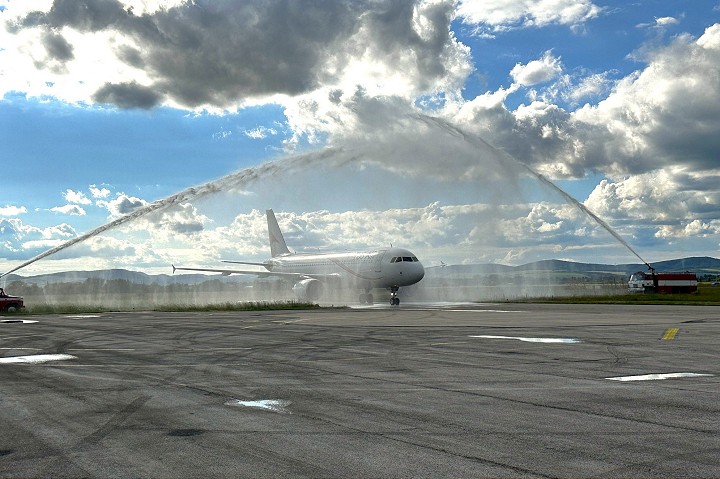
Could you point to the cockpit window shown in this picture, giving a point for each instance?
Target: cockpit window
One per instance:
(399, 259)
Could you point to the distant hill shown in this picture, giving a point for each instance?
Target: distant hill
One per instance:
(698, 265)
(136, 277)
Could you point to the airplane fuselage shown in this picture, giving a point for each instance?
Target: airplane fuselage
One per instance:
(383, 268)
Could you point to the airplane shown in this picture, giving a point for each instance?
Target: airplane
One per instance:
(388, 268)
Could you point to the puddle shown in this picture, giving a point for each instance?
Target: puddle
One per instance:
(657, 377)
(533, 340)
(273, 405)
(36, 358)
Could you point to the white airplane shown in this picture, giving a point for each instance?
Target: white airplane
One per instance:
(383, 268)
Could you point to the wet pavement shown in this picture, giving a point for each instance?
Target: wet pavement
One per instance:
(496, 390)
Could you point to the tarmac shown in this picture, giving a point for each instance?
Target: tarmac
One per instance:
(433, 390)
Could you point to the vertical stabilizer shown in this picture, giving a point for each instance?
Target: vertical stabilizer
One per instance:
(277, 242)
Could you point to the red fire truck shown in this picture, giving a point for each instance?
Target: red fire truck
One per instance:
(9, 303)
(653, 282)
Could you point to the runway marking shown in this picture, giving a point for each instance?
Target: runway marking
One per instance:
(273, 405)
(23, 349)
(656, 377)
(532, 340)
(480, 311)
(101, 349)
(23, 321)
(36, 359)
(670, 334)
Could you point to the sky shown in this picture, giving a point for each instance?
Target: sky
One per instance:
(423, 124)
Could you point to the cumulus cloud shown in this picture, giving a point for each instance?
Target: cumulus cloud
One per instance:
(499, 15)
(76, 197)
(660, 22)
(72, 210)
(11, 210)
(666, 114)
(99, 192)
(204, 54)
(537, 71)
(122, 205)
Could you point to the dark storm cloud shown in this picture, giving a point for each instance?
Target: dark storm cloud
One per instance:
(82, 15)
(219, 53)
(127, 95)
(57, 47)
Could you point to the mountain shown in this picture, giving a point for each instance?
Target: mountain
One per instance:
(699, 265)
(136, 277)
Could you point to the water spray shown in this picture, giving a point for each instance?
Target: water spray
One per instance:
(473, 140)
(239, 179)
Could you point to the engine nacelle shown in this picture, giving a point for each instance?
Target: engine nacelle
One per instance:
(308, 289)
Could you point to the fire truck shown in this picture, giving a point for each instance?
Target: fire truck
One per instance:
(9, 303)
(652, 282)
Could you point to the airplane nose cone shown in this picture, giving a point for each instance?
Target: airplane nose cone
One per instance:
(420, 273)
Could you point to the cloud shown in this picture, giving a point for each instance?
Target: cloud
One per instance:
(260, 133)
(76, 197)
(18, 240)
(537, 71)
(184, 219)
(127, 95)
(97, 192)
(660, 22)
(122, 204)
(667, 114)
(72, 210)
(220, 55)
(499, 15)
(10, 210)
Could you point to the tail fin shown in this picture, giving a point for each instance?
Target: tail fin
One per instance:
(277, 242)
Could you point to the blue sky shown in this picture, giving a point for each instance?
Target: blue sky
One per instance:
(110, 105)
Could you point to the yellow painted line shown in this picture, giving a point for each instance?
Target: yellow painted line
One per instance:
(670, 334)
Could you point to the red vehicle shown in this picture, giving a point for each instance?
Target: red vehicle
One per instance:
(9, 303)
(653, 282)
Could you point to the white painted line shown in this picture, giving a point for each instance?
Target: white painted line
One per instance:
(532, 340)
(274, 405)
(23, 321)
(480, 311)
(82, 316)
(36, 359)
(100, 349)
(656, 377)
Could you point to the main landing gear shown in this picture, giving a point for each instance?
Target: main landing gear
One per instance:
(394, 300)
(366, 298)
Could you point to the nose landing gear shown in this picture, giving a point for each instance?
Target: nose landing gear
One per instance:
(394, 300)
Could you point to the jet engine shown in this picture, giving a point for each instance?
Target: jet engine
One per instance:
(308, 289)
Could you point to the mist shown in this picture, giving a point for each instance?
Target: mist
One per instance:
(413, 181)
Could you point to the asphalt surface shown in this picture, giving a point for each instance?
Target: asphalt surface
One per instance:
(420, 391)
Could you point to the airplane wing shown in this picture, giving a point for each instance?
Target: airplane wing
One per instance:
(263, 274)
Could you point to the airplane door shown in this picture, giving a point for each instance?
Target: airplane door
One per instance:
(377, 266)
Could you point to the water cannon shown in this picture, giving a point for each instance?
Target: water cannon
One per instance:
(652, 270)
